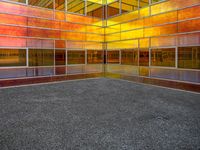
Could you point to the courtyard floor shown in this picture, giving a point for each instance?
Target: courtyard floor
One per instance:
(98, 114)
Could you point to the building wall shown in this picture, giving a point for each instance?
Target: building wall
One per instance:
(36, 41)
(159, 41)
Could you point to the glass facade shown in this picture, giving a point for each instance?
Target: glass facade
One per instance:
(151, 38)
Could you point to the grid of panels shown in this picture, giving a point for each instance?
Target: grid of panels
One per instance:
(158, 39)
(35, 41)
(165, 37)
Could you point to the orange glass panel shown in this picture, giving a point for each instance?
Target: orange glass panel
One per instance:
(93, 45)
(40, 12)
(73, 26)
(25, 10)
(13, 8)
(59, 15)
(43, 23)
(13, 30)
(132, 34)
(163, 41)
(161, 19)
(188, 26)
(189, 39)
(59, 43)
(123, 44)
(161, 30)
(187, 13)
(144, 43)
(94, 37)
(13, 19)
(75, 45)
(38, 43)
(82, 19)
(12, 42)
(73, 36)
(43, 33)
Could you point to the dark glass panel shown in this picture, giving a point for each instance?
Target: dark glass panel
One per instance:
(41, 57)
(113, 57)
(12, 57)
(60, 57)
(94, 57)
(163, 57)
(144, 57)
(189, 57)
(129, 57)
(75, 57)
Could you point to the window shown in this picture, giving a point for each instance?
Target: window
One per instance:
(129, 5)
(144, 57)
(95, 9)
(75, 57)
(60, 5)
(41, 3)
(189, 57)
(41, 57)
(113, 8)
(12, 57)
(113, 57)
(76, 6)
(129, 57)
(163, 57)
(60, 57)
(94, 57)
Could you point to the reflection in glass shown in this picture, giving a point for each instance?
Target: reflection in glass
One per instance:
(12, 57)
(163, 57)
(189, 57)
(144, 57)
(41, 57)
(60, 57)
(113, 57)
(94, 57)
(75, 57)
(129, 57)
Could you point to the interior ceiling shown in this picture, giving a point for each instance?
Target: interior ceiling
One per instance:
(78, 5)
